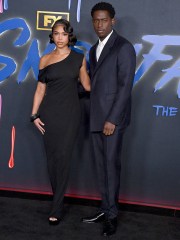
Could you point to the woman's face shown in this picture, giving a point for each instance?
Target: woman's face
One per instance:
(60, 37)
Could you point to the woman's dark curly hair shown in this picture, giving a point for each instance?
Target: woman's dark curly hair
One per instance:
(104, 6)
(67, 28)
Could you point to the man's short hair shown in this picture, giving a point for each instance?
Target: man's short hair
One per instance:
(103, 6)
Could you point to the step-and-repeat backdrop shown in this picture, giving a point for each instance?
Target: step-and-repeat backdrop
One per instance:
(151, 152)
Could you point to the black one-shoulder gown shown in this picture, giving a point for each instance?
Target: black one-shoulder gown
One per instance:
(60, 112)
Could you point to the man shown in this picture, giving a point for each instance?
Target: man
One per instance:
(112, 68)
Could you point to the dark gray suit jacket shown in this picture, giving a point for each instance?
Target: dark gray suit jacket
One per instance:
(111, 83)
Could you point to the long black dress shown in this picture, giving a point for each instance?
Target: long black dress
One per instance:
(60, 112)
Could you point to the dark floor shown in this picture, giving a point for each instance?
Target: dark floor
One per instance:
(26, 219)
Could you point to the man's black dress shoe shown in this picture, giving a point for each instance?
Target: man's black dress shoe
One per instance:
(54, 221)
(99, 217)
(109, 226)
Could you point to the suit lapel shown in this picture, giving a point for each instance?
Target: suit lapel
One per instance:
(104, 52)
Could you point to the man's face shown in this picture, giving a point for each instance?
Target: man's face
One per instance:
(102, 23)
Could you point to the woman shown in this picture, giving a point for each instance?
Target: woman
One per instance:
(56, 100)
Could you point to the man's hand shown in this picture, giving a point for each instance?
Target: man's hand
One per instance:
(39, 125)
(108, 128)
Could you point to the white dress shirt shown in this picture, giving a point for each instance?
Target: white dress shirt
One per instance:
(101, 45)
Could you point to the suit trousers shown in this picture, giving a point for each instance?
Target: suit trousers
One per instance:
(107, 153)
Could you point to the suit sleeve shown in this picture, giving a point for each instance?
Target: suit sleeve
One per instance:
(126, 69)
(90, 60)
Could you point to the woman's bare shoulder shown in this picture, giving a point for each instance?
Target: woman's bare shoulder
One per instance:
(44, 61)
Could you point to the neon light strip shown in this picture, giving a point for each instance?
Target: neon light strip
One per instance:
(159, 205)
(1, 6)
(11, 160)
(6, 4)
(78, 10)
(69, 4)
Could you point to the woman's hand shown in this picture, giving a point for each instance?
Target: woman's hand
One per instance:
(39, 124)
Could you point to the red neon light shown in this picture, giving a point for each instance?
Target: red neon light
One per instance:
(158, 205)
(1, 6)
(11, 160)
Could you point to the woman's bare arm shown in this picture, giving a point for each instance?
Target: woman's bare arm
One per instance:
(84, 77)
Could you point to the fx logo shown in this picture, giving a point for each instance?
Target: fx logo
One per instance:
(45, 19)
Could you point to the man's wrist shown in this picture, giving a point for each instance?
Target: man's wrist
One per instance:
(34, 117)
